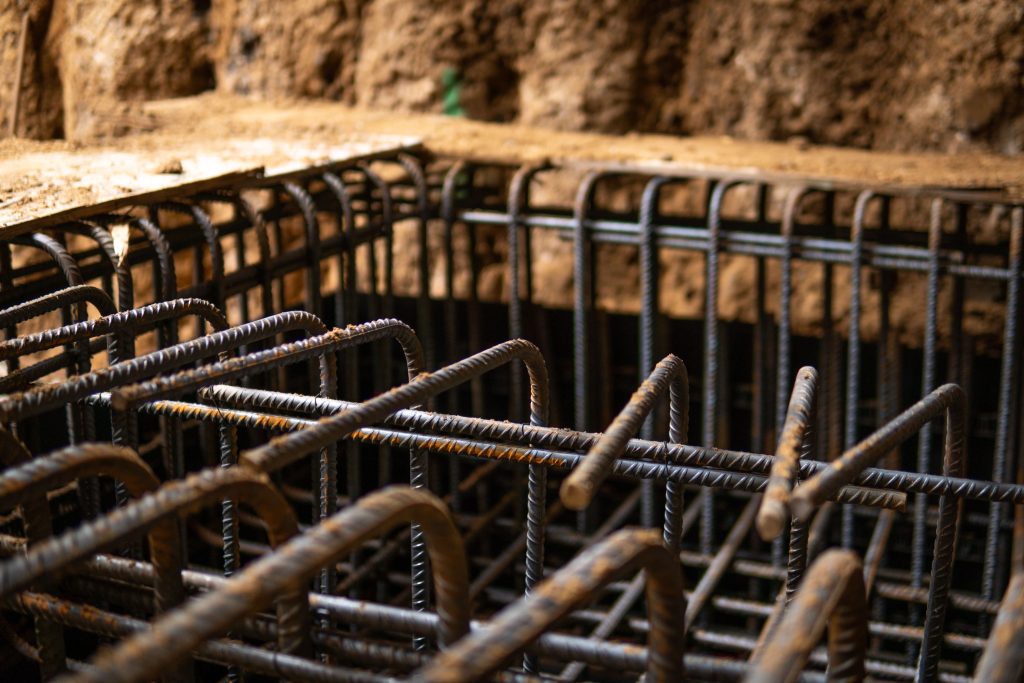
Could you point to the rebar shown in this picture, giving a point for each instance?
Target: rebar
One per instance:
(621, 554)
(832, 593)
(196, 412)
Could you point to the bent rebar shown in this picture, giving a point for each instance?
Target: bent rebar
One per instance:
(307, 207)
(288, 448)
(38, 400)
(84, 617)
(171, 638)
(579, 488)
(165, 283)
(413, 351)
(120, 268)
(33, 308)
(34, 478)
(1003, 658)
(948, 399)
(515, 627)
(710, 417)
(46, 473)
(121, 327)
(176, 499)
(774, 512)
(202, 222)
(18, 379)
(321, 347)
(324, 343)
(38, 526)
(115, 323)
(832, 593)
(518, 196)
(246, 214)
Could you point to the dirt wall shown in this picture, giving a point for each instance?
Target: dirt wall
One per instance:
(915, 75)
(919, 75)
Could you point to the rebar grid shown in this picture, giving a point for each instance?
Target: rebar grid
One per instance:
(185, 416)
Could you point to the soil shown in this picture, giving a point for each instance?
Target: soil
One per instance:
(209, 137)
(916, 76)
(202, 138)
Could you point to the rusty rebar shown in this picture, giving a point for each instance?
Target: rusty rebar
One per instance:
(146, 515)
(774, 512)
(515, 627)
(832, 594)
(170, 639)
(1003, 658)
(19, 406)
(582, 484)
(948, 399)
(877, 479)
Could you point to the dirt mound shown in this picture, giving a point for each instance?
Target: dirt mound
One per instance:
(916, 75)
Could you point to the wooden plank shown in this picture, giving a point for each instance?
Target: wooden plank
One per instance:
(58, 182)
(21, 218)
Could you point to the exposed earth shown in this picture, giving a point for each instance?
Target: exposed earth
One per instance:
(938, 75)
(916, 76)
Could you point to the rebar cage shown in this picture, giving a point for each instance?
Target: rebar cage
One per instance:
(313, 393)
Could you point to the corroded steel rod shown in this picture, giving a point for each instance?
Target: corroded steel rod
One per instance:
(515, 627)
(832, 594)
(174, 636)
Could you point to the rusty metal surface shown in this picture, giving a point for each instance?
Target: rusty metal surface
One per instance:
(208, 401)
(283, 572)
(832, 595)
(1003, 658)
(516, 627)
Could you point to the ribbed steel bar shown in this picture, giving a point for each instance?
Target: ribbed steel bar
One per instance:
(548, 458)
(290, 447)
(832, 593)
(892, 481)
(948, 399)
(255, 221)
(710, 416)
(27, 404)
(108, 248)
(18, 485)
(33, 308)
(88, 489)
(749, 224)
(37, 523)
(518, 200)
(175, 499)
(514, 628)
(117, 325)
(46, 473)
(774, 512)
(744, 238)
(582, 484)
(1007, 374)
(173, 637)
(201, 220)
(165, 282)
(321, 347)
(231, 653)
(601, 654)
(381, 617)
